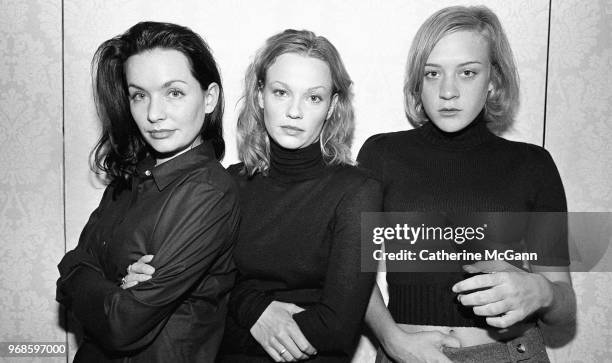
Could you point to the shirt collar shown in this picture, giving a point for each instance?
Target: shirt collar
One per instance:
(176, 167)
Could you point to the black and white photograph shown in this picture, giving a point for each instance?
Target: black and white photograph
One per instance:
(320, 181)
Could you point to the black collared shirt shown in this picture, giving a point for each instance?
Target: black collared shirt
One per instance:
(185, 212)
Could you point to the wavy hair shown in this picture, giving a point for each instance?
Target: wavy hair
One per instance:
(121, 146)
(337, 132)
(503, 101)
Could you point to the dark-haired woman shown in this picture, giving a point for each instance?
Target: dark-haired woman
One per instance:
(159, 96)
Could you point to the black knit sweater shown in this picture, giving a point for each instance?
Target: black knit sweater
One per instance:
(299, 242)
(472, 170)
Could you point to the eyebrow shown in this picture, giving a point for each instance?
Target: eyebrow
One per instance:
(460, 65)
(309, 89)
(166, 84)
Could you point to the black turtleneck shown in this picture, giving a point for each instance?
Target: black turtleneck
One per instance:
(427, 169)
(294, 165)
(299, 242)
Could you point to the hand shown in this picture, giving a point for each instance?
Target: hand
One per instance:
(279, 334)
(137, 272)
(504, 294)
(420, 347)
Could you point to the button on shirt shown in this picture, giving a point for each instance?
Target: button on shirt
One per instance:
(185, 212)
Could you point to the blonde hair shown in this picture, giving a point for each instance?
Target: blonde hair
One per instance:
(337, 132)
(503, 101)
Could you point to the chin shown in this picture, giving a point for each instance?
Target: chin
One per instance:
(163, 146)
(289, 142)
(451, 125)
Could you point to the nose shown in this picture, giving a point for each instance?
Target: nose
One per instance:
(448, 88)
(156, 110)
(294, 111)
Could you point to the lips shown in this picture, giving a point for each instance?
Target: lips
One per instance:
(161, 133)
(448, 111)
(291, 130)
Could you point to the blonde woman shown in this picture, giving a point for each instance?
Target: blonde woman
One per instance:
(461, 88)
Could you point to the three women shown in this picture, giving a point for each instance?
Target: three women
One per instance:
(300, 292)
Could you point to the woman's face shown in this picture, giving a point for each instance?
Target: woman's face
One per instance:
(456, 80)
(166, 101)
(296, 99)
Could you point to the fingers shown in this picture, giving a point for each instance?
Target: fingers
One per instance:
(129, 284)
(447, 340)
(506, 320)
(481, 297)
(442, 340)
(489, 266)
(146, 258)
(478, 282)
(301, 342)
(294, 309)
(290, 308)
(286, 349)
(141, 267)
(493, 309)
(137, 277)
(272, 352)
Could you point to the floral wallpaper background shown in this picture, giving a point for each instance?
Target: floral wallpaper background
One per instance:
(48, 123)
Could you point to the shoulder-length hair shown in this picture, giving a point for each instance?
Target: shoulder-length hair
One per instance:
(121, 146)
(503, 101)
(253, 139)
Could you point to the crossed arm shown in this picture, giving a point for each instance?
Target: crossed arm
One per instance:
(128, 319)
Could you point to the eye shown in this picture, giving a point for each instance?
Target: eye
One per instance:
(432, 74)
(278, 92)
(315, 98)
(175, 93)
(137, 96)
(468, 73)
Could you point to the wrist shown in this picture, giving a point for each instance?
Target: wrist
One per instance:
(548, 293)
(390, 339)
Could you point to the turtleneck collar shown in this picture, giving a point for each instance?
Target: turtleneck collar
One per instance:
(295, 164)
(473, 135)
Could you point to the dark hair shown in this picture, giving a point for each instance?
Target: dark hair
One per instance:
(121, 145)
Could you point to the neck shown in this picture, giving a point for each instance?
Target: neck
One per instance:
(473, 135)
(162, 158)
(295, 164)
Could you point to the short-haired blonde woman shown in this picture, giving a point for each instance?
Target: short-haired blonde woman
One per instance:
(300, 293)
(461, 88)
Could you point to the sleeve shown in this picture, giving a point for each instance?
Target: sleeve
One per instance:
(547, 231)
(370, 155)
(247, 304)
(83, 255)
(197, 224)
(333, 324)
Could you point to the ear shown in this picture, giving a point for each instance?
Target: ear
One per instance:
(332, 106)
(490, 88)
(260, 99)
(211, 97)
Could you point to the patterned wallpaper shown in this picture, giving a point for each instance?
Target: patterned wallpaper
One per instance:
(578, 134)
(31, 198)
(32, 141)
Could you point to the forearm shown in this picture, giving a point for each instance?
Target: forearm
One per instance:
(246, 305)
(560, 306)
(332, 325)
(111, 315)
(379, 319)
